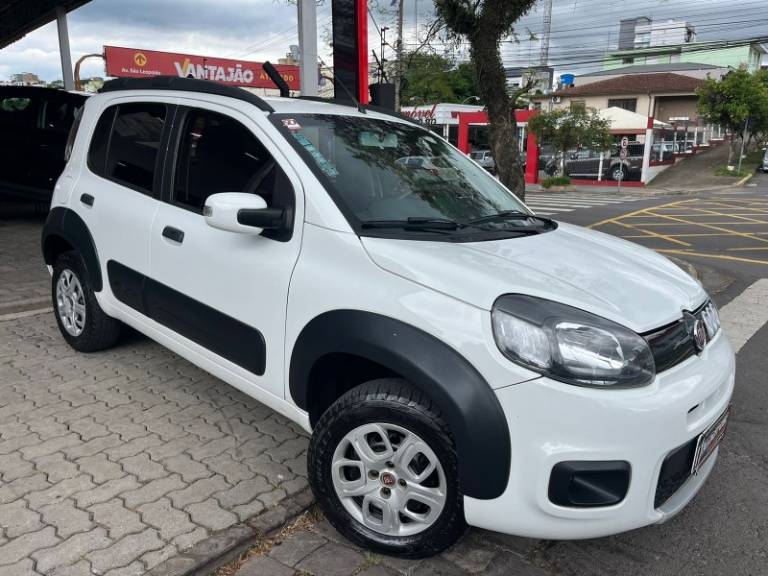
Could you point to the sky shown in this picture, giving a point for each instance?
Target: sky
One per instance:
(264, 29)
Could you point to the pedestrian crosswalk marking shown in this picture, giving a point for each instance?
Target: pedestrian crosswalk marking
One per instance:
(548, 204)
(743, 316)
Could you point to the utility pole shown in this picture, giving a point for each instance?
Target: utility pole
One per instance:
(743, 138)
(382, 59)
(399, 52)
(307, 14)
(546, 32)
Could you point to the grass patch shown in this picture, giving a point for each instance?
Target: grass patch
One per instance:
(748, 165)
(555, 181)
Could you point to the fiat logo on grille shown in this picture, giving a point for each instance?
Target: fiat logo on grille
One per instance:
(697, 330)
(699, 335)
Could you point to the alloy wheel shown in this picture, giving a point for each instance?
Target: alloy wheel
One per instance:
(389, 479)
(70, 303)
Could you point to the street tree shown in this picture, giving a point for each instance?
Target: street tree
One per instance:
(738, 102)
(429, 78)
(568, 129)
(484, 24)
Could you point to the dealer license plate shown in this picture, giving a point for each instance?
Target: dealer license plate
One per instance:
(709, 440)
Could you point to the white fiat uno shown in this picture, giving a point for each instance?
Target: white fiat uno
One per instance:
(456, 358)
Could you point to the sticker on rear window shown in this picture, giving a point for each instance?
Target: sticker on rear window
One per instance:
(321, 161)
(291, 124)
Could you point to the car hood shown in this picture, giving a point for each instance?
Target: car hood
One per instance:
(590, 270)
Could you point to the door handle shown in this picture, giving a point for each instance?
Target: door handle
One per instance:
(173, 234)
(87, 199)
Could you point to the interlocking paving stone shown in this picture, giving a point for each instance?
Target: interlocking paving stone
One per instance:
(263, 566)
(211, 515)
(296, 547)
(118, 520)
(17, 519)
(66, 518)
(71, 550)
(124, 551)
(332, 560)
(170, 521)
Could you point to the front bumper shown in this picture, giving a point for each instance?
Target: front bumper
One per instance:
(551, 422)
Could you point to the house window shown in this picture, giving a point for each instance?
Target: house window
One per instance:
(578, 104)
(628, 61)
(625, 103)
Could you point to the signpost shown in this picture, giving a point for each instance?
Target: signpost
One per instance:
(623, 153)
(135, 63)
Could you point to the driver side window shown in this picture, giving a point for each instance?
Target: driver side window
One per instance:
(219, 154)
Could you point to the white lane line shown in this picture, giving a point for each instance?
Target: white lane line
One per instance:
(743, 316)
(561, 202)
(552, 208)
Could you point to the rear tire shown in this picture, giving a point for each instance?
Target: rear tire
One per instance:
(82, 322)
(400, 495)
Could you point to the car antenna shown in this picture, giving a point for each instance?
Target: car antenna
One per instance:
(274, 75)
(337, 81)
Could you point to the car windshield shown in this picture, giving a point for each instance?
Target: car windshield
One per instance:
(388, 171)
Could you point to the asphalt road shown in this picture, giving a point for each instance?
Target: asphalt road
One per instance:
(724, 531)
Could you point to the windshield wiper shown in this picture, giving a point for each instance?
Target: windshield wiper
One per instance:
(414, 223)
(508, 215)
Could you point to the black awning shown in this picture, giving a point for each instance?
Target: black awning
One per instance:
(20, 17)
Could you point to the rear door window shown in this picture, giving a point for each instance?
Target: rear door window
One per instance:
(126, 144)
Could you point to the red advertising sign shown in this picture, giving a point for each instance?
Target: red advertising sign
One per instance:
(135, 63)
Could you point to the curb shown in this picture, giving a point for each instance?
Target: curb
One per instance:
(744, 180)
(226, 545)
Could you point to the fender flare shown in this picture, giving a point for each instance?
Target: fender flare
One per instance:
(468, 403)
(65, 223)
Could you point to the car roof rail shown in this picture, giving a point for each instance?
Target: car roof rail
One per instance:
(185, 85)
(371, 107)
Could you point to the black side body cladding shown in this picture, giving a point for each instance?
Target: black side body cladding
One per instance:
(467, 402)
(239, 343)
(65, 224)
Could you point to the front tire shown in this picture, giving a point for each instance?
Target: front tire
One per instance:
(383, 467)
(82, 322)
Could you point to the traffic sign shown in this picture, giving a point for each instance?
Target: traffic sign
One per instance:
(623, 153)
(624, 142)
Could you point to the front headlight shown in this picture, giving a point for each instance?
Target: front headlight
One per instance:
(570, 345)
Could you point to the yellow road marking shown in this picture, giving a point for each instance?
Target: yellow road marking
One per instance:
(715, 213)
(694, 224)
(654, 234)
(713, 227)
(692, 235)
(717, 256)
(609, 220)
(747, 249)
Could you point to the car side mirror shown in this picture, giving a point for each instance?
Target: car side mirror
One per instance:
(241, 212)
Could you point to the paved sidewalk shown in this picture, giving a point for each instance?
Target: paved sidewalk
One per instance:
(311, 546)
(114, 462)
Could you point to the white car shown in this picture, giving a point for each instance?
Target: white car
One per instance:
(456, 358)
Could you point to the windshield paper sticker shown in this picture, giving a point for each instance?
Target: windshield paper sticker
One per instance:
(291, 124)
(322, 162)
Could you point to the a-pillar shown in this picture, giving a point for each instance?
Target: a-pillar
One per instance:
(66, 55)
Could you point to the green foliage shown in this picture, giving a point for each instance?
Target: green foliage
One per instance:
(555, 181)
(730, 101)
(568, 129)
(431, 78)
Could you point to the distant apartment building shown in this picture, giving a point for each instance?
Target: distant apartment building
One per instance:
(542, 76)
(26, 79)
(642, 41)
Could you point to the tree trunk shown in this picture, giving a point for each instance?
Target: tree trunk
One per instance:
(492, 84)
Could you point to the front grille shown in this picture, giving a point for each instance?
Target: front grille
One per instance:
(675, 470)
(674, 343)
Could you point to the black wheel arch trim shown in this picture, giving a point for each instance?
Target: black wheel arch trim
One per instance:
(65, 223)
(466, 400)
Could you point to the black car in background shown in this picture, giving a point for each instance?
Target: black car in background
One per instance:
(34, 126)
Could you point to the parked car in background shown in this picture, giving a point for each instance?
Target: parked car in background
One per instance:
(585, 163)
(485, 159)
(34, 125)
